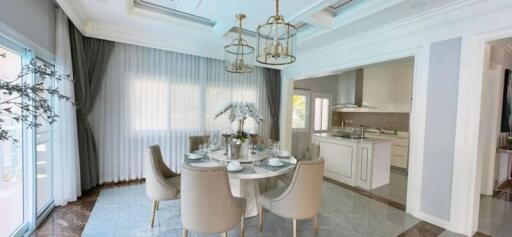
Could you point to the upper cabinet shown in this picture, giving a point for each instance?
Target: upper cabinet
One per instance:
(388, 87)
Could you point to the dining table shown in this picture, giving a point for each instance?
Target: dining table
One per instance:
(255, 167)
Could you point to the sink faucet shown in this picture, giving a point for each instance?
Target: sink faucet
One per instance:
(381, 130)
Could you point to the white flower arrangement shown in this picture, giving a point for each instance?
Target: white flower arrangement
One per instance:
(240, 111)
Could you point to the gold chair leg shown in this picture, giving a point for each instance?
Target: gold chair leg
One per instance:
(242, 225)
(260, 225)
(294, 227)
(315, 224)
(153, 213)
(185, 233)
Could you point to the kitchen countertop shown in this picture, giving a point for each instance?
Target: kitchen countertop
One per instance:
(364, 140)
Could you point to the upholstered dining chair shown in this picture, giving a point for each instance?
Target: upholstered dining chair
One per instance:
(314, 151)
(207, 205)
(161, 183)
(196, 141)
(300, 200)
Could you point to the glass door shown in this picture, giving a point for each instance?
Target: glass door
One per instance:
(11, 152)
(44, 197)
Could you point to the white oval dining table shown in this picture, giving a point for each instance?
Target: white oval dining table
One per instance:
(244, 183)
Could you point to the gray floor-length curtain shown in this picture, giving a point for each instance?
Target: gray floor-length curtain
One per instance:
(89, 58)
(273, 84)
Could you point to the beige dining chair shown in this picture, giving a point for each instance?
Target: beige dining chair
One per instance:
(196, 141)
(300, 200)
(161, 183)
(314, 151)
(207, 205)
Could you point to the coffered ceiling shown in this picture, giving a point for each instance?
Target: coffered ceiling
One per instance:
(203, 27)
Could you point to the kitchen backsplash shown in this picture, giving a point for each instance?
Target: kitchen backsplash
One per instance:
(391, 121)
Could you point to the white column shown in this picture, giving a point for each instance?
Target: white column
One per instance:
(285, 116)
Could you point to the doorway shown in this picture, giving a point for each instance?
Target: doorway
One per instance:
(495, 143)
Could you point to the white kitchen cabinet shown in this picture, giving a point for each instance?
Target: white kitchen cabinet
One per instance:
(399, 147)
(357, 162)
(339, 160)
(374, 165)
(388, 87)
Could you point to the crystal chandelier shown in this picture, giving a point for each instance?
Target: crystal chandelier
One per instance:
(276, 41)
(239, 55)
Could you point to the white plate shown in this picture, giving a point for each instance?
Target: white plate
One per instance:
(206, 164)
(234, 168)
(193, 156)
(276, 164)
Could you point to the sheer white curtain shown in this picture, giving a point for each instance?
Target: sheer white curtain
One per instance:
(151, 96)
(66, 182)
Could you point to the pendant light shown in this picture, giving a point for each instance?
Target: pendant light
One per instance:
(239, 55)
(276, 41)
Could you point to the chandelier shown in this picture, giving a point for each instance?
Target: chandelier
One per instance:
(276, 41)
(239, 55)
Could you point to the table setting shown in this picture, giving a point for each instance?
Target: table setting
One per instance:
(246, 161)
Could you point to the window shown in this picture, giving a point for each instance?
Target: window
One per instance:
(321, 114)
(300, 107)
(26, 165)
(11, 154)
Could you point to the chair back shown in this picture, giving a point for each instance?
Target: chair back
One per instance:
(196, 141)
(155, 181)
(314, 151)
(207, 204)
(302, 198)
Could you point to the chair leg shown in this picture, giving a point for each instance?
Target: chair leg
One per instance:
(242, 225)
(294, 226)
(185, 233)
(315, 224)
(260, 225)
(153, 213)
(157, 205)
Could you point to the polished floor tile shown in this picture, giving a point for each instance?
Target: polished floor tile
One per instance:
(125, 211)
(495, 217)
(396, 190)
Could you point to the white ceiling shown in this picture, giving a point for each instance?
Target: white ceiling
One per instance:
(202, 27)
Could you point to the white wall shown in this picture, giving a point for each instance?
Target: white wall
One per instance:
(31, 23)
(470, 20)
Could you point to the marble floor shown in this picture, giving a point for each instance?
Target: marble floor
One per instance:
(125, 211)
(495, 217)
(396, 190)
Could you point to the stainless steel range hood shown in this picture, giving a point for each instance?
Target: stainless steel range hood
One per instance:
(350, 92)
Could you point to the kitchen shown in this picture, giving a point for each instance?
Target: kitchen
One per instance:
(360, 119)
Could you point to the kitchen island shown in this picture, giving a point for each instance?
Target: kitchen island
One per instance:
(364, 163)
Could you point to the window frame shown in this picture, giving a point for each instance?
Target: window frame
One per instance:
(307, 115)
(315, 96)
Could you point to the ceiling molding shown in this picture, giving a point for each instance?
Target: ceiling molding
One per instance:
(321, 19)
(313, 9)
(220, 29)
(153, 10)
(429, 21)
(359, 10)
(75, 12)
(128, 36)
